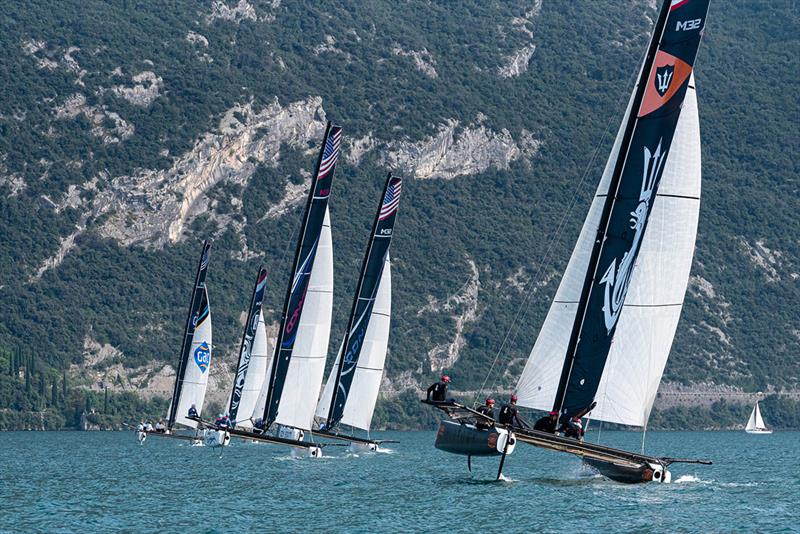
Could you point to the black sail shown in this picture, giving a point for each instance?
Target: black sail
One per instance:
(366, 290)
(188, 333)
(648, 135)
(314, 216)
(249, 336)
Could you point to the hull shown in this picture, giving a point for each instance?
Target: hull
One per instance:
(363, 447)
(467, 440)
(216, 438)
(295, 434)
(759, 431)
(631, 475)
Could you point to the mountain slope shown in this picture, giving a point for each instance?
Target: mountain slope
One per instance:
(133, 130)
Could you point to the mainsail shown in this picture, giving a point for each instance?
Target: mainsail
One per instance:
(253, 358)
(609, 330)
(299, 361)
(195, 357)
(352, 388)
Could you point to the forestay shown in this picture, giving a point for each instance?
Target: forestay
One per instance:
(628, 274)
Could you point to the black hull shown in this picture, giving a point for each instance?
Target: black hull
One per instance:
(624, 474)
(467, 440)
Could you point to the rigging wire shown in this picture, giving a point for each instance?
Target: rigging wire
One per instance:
(523, 309)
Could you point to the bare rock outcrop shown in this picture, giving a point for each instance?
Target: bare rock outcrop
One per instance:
(145, 90)
(99, 116)
(516, 63)
(463, 305)
(764, 258)
(450, 153)
(152, 208)
(423, 60)
(222, 11)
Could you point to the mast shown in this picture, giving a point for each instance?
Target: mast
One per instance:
(649, 129)
(248, 338)
(313, 218)
(369, 279)
(188, 332)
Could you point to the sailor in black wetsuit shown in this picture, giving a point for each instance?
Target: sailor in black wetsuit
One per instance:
(487, 410)
(548, 423)
(192, 412)
(509, 414)
(573, 429)
(438, 391)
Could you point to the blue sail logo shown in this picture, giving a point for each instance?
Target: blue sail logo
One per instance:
(202, 356)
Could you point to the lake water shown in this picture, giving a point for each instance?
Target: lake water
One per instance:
(106, 482)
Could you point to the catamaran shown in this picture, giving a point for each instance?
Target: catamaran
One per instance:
(288, 396)
(351, 392)
(605, 341)
(250, 370)
(194, 364)
(755, 425)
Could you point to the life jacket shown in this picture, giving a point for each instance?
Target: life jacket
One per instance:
(507, 415)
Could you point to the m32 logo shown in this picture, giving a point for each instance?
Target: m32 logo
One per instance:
(686, 25)
(386, 231)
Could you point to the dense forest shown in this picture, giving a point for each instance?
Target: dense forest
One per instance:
(132, 130)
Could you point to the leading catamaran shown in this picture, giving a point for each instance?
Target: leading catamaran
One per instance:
(351, 392)
(194, 363)
(605, 341)
(289, 394)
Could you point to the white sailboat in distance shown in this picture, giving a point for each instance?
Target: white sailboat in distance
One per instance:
(755, 425)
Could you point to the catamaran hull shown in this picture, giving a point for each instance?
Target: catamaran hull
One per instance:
(631, 475)
(467, 440)
(759, 431)
(216, 438)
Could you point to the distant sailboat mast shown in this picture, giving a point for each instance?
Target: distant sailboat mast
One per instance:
(188, 335)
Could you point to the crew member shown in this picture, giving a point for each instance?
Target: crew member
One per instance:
(438, 391)
(193, 412)
(487, 410)
(548, 423)
(160, 427)
(573, 429)
(509, 414)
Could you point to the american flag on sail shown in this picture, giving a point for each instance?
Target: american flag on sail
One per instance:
(204, 259)
(391, 200)
(331, 152)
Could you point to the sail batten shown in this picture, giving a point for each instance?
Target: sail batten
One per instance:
(610, 327)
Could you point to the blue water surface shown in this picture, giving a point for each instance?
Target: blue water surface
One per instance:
(105, 482)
